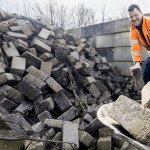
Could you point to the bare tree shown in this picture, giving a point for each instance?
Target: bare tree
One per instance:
(26, 7)
(123, 11)
(103, 13)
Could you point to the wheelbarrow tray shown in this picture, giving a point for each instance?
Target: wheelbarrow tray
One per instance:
(106, 120)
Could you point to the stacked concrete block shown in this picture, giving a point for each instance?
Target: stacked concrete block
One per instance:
(44, 33)
(17, 35)
(21, 45)
(15, 29)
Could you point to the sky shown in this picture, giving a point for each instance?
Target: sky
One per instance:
(10, 5)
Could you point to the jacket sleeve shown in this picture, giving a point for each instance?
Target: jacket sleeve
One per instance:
(136, 49)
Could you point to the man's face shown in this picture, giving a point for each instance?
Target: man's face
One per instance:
(135, 17)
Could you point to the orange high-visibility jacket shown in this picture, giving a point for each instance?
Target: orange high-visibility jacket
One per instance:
(137, 41)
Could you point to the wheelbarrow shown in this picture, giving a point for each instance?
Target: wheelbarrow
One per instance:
(106, 120)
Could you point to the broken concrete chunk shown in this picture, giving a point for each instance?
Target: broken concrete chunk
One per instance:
(28, 90)
(70, 135)
(37, 104)
(18, 65)
(132, 117)
(46, 56)
(82, 40)
(10, 51)
(62, 101)
(12, 22)
(33, 51)
(40, 46)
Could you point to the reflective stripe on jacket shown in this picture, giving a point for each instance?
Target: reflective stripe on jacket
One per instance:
(137, 41)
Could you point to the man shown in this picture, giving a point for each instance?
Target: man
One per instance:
(140, 35)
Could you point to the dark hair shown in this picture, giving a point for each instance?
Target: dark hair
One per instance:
(131, 8)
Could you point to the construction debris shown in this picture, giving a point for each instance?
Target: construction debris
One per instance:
(51, 86)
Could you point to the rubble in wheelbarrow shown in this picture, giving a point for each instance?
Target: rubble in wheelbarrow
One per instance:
(52, 84)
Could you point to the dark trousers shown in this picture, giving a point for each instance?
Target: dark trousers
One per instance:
(146, 71)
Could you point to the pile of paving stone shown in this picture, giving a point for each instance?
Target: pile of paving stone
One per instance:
(52, 85)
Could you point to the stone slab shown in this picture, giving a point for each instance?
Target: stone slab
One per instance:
(17, 35)
(132, 117)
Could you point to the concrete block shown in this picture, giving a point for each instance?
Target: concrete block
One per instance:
(53, 84)
(8, 105)
(58, 137)
(104, 131)
(45, 115)
(85, 138)
(94, 90)
(28, 90)
(13, 94)
(53, 123)
(44, 33)
(47, 104)
(124, 67)
(12, 22)
(35, 145)
(75, 54)
(46, 56)
(46, 67)
(55, 61)
(33, 51)
(18, 65)
(122, 39)
(61, 41)
(62, 101)
(2, 15)
(2, 62)
(24, 108)
(7, 78)
(76, 32)
(145, 96)
(70, 134)
(3, 28)
(103, 68)
(93, 126)
(38, 127)
(69, 115)
(49, 134)
(88, 118)
(37, 104)
(21, 45)
(132, 117)
(2, 70)
(18, 118)
(10, 51)
(35, 81)
(26, 27)
(17, 35)
(56, 71)
(104, 143)
(16, 29)
(50, 27)
(88, 80)
(40, 46)
(32, 60)
(79, 41)
(37, 73)
(106, 95)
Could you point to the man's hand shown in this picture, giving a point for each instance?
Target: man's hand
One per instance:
(137, 65)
